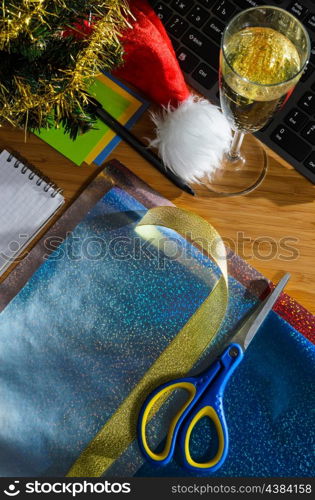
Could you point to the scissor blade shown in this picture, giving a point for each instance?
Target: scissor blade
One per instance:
(250, 327)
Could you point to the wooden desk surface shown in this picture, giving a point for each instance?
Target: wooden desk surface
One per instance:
(273, 228)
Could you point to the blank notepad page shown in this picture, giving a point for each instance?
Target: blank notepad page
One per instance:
(27, 202)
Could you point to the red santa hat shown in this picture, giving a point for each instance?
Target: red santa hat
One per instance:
(191, 133)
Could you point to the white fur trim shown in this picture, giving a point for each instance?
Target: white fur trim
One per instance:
(192, 138)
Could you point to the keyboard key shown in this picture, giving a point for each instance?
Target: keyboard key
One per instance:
(198, 16)
(203, 47)
(296, 119)
(309, 132)
(206, 3)
(205, 76)
(298, 9)
(175, 43)
(163, 12)
(310, 162)
(291, 143)
(312, 58)
(177, 26)
(224, 10)
(307, 102)
(214, 28)
(309, 71)
(186, 59)
(247, 4)
(182, 6)
(310, 22)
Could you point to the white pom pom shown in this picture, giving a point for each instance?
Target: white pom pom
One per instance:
(192, 138)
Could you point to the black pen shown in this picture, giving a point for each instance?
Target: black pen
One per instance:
(138, 146)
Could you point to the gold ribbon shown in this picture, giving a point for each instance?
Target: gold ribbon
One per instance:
(178, 357)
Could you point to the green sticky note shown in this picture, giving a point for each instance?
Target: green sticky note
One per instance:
(110, 96)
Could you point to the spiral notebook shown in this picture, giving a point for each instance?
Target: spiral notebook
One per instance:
(27, 202)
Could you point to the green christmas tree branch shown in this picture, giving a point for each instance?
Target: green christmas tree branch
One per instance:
(48, 54)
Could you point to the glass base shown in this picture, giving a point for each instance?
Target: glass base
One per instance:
(237, 176)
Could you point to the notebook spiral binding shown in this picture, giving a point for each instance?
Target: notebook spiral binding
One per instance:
(32, 172)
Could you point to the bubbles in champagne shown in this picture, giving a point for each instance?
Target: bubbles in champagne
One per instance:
(263, 56)
(260, 67)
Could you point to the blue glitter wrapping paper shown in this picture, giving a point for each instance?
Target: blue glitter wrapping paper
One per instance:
(269, 406)
(84, 330)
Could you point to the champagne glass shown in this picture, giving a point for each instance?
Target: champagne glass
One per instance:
(264, 52)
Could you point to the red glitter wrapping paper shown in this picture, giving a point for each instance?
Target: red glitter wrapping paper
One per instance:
(288, 308)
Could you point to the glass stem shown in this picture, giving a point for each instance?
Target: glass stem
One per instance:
(234, 153)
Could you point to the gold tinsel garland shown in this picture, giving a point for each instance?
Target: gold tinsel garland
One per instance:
(112, 19)
(14, 22)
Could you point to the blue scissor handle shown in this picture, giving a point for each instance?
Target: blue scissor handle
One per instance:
(192, 385)
(210, 404)
(204, 391)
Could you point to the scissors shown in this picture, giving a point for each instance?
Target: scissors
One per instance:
(205, 396)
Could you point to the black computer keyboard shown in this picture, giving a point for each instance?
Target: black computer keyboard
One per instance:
(195, 28)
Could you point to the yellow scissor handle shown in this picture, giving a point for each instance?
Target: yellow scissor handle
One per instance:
(206, 411)
(159, 457)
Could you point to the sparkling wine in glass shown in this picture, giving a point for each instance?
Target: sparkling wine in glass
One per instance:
(264, 52)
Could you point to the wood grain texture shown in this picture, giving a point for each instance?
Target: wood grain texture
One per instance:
(278, 215)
